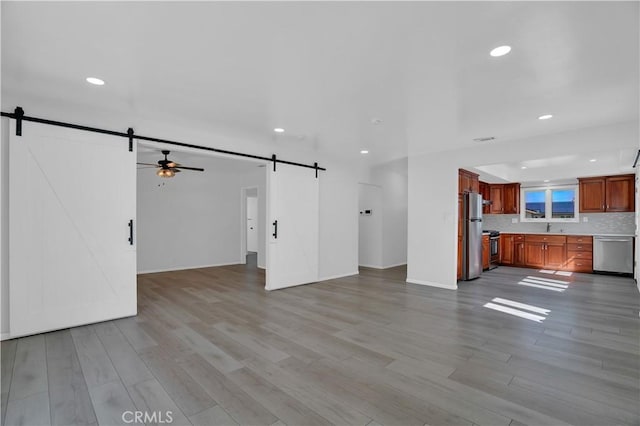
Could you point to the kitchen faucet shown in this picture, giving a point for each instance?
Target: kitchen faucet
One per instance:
(548, 227)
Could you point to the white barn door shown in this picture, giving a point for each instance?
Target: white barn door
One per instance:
(72, 195)
(292, 203)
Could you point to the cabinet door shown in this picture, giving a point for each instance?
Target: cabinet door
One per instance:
(592, 195)
(534, 254)
(555, 255)
(475, 184)
(506, 249)
(511, 198)
(518, 254)
(459, 257)
(620, 193)
(483, 187)
(485, 252)
(495, 195)
(459, 215)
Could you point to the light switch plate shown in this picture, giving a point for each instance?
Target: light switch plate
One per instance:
(585, 219)
(514, 220)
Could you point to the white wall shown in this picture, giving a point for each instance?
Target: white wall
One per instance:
(4, 226)
(383, 236)
(433, 189)
(370, 241)
(192, 220)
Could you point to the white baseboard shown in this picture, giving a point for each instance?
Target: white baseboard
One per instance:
(383, 267)
(154, 271)
(5, 336)
(333, 277)
(432, 284)
(262, 267)
(371, 266)
(395, 265)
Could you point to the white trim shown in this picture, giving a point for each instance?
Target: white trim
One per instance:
(7, 336)
(371, 266)
(548, 204)
(184, 268)
(395, 265)
(383, 267)
(432, 284)
(262, 267)
(334, 277)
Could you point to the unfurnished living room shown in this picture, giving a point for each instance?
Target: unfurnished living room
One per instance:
(306, 212)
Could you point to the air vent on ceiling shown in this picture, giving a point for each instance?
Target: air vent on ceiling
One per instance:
(485, 139)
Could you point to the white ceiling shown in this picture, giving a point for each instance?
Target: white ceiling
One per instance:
(324, 70)
(561, 169)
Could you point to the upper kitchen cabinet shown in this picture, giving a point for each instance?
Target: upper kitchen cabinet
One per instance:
(511, 198)
(467, 181)
(620, 193)
(505, 198)
(607, 194)
(496, 193)
(484, 191)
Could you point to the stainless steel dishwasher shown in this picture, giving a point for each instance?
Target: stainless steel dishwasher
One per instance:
(613, 254)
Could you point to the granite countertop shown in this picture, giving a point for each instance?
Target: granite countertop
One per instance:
(566, 233)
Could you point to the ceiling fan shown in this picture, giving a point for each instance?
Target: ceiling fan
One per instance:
(167, 168)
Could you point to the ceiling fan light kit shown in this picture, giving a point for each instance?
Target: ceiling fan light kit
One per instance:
(166, 173)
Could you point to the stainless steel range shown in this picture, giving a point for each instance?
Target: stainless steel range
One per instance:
(494, 248)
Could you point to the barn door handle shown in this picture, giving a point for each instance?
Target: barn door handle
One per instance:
(275, 229)
(130, 239)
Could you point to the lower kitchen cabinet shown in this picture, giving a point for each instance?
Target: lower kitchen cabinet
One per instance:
(486, 253)
(558, 252)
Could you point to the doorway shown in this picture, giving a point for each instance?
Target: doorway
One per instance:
(251, 221)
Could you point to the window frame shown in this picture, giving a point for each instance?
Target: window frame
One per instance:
(549, 204)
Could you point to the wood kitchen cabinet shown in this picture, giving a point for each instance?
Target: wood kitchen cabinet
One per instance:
(567, 253)
(505, 198)
(579, 253)
(607, 194)
(496, 195)
(484, 191)
(486, 252)
(545, 251)
(511, 198)
(468, 181)
(506, 249)
(619, 194)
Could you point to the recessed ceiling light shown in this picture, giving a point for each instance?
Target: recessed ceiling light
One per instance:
(95, 80)
(500, 51)
(278, 130)
(523, 167)
(546, 180)
(376, 121)
(545, 117)
(593, 160)
(364, 151)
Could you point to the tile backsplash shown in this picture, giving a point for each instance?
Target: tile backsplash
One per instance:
(598, 223)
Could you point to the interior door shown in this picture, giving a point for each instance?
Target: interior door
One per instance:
(252, 224)
(292, 203)
(72, 196)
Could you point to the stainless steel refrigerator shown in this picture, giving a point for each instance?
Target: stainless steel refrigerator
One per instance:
(472, 236)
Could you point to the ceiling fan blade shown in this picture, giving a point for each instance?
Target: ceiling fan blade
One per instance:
(146, 167)
(197, 169)
(147, 164)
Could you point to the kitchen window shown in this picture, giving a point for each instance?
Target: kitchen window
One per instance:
(543, 204)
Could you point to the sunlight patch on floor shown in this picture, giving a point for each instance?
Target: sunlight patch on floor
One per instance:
(553, 272)
(508, 307)
(545, 283)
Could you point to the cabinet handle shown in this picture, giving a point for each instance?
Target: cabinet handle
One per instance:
(275, 229)
(130, 239)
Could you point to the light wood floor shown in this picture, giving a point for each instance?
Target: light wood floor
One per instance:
(211, 346)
